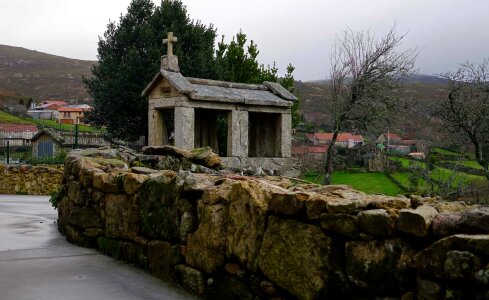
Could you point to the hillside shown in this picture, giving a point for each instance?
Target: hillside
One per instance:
(415, 122)
(28, 73)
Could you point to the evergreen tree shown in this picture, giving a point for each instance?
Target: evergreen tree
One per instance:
(288, 82)
(129, 56)
(234, 63)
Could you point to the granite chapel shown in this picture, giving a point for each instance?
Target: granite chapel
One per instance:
(186, 111)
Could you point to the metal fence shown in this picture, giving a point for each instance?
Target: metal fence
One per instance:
(27, 143)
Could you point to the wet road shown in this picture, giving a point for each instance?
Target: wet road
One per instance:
(37, 263)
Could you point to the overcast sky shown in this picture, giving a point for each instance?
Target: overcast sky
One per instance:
(297, 31)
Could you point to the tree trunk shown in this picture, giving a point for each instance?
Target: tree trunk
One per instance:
(328, 169)
(480, 158)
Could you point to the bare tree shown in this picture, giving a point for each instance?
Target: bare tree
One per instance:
(428, 178)
(466, 110)
(364, 73)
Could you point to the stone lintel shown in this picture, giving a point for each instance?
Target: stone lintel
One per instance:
(216, 98)
(184, 127)
(164, 102)
(267, 109)
(206, 105)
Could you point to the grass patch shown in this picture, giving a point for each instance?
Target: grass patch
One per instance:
(404, 179)
(11, 119)
(64, 127)
(370, 183)
(472, 164)
(407, 163)
(446, 152)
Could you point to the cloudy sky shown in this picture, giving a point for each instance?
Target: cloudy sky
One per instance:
(297, 31)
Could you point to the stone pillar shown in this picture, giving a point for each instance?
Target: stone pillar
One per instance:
(156, 130)
(237, 133)
(184, 127)
(286, 135)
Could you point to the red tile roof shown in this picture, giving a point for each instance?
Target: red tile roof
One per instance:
(342, 137)
(18, 127)
(298, 150)
(57, 102)
(392, 136)
(323, 136)
(317, 149)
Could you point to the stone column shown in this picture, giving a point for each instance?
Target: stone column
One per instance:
(286, 135)
(184, 127)
(155, 127)
(237, 133)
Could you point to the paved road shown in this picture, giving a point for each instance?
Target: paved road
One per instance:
(37, 263)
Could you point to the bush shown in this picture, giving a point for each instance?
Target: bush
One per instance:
(54, 200)
(59, 159)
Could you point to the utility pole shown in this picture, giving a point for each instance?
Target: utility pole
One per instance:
(76, 136)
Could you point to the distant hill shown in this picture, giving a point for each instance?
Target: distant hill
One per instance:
(28, 73)
(415, 78)
(415, 122)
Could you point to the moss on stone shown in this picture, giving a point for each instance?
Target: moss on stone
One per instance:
(111, 162)
(159, 218)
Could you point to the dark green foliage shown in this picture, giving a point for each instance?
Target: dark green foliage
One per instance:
(58, 159)
(288, 83)
(55, 197)
(234, 63)
(158, 215)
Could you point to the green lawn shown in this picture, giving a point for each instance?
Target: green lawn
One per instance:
(446, 152)
(8, 118)
(370, 183)
(472, 164)
(404, 180)
(406, 163)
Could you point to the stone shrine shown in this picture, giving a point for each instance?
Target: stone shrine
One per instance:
(186, 112)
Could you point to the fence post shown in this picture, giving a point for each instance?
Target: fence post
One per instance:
(76, 136)
(8, 152)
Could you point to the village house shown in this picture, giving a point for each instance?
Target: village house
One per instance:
(60, 111)
(49, 142)
(343, 140)
(47, 110)
(72, 114)
(389, 139)
(18, 135)
(186, 112)
(395, 143)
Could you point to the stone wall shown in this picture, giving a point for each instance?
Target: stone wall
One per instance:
(30, 180)
(224, 236)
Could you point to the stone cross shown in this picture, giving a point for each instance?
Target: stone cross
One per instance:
(169, 42)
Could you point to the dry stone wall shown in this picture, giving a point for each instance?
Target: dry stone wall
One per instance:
(30, 180)
(224, 236)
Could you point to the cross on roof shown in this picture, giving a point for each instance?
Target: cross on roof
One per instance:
(169, 42)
